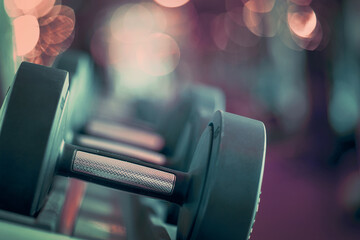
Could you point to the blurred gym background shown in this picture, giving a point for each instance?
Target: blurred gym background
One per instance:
(293, 64)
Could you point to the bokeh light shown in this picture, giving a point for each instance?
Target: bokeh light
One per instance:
(261, 24)
(131, 23)
(158, 55)
(11, 9)
(135, 40)
(136, 44)
(55, 49)
(302, 21)
(37, 8)
(42, 30)
(58, 27)
(26, 5)
(158, 15)
(171, 3)
(304, 26)
(43, 8)
(26, 33)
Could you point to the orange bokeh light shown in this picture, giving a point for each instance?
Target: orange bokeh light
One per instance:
(26, 33)
(57, 28)
(171, 3)
(302, 21)
(305, 29)
(41, 31)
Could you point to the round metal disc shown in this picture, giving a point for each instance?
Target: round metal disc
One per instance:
(231, 187)
(29, 139)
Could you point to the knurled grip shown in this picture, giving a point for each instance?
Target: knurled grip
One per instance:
(124, 172)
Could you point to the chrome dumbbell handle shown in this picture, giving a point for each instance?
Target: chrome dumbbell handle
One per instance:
(124, 173)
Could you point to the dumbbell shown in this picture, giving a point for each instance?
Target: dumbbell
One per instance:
(218, 195)
(201, 102)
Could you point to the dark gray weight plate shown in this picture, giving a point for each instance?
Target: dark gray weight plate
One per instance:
(229, 198)
(28, 153)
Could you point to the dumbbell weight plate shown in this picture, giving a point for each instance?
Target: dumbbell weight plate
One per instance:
(227, 203)
(36, 159)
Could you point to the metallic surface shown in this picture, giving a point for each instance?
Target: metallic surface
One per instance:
(124, 172)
